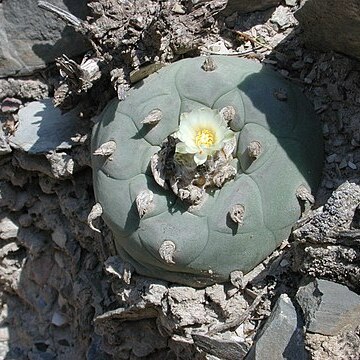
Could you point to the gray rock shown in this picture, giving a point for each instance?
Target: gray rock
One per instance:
(95, 351)
(222, 346)
(321, 20)
(283, 17)
(282, 336)
(31, 37)
(248, 6)
(328, 307)
(8, 228)
(43, 128)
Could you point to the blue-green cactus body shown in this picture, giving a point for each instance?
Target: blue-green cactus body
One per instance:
(208, 244)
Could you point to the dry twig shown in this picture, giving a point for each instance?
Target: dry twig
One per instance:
(236, 322)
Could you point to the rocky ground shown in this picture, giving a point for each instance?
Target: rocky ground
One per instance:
(64, 292)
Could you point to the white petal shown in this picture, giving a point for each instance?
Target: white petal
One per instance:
(200, 158)
(184, 134)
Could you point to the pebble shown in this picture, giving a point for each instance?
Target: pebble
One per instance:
(8, 229)
(282, 17)
(297, 65)
(331, 158)
(281, 337)
(352, 166)
(58, 319)
(43, 128)
(178, 9)
(328, 307)
(343, 164)
(284, 263)
(326, 130)
(291, 2)
(222, 346)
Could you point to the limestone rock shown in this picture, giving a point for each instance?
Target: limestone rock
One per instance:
(328, 307)
(8, 229)
(331, 25)
(224, 346)
(248, 6)
(30, 37)
(43, 128)
(281, 337)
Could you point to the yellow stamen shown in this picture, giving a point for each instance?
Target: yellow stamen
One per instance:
(204, 137)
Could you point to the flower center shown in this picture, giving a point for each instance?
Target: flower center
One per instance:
(204, 137)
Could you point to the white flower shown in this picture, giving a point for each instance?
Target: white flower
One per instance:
(202, 132)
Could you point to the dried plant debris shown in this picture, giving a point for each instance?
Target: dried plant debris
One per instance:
(131, 39)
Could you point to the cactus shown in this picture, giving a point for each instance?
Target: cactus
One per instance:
(196, 223)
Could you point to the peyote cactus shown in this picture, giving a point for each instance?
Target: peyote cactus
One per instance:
(193, 202)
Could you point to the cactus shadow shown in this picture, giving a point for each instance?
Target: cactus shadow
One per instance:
(292, 120)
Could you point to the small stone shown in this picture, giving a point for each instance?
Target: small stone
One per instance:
(4, 334)
(283, 17)
(343, 164)
(178, 9)
(59, 319)
(8, 229)
(326, 130)
(331, 158)
(284, 263)
(297, 65)
(328, 307)
(352, 166)
(281, 336)
(222, 346)
(308, 59)
(62, 164)
(43, 128)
